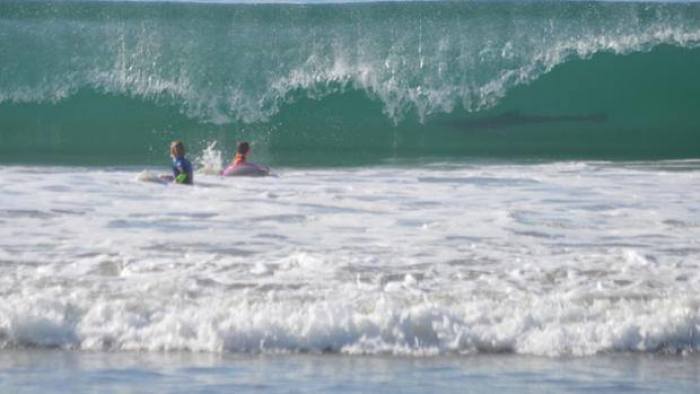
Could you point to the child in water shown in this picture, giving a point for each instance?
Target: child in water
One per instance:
(182, 168)
(241, 167)
(241, 153)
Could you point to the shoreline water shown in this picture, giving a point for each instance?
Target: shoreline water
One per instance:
(49, 371)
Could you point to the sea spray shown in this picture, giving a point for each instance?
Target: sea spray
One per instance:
(210, 160)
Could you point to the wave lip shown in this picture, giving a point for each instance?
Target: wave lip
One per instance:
(460, 55)
(569, 79)
(468, 79)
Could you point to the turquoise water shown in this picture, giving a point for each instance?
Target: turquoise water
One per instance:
(113, 82)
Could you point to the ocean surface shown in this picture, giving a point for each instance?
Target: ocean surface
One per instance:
(484, 195)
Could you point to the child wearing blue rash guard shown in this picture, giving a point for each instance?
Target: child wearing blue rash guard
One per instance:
(182, 168)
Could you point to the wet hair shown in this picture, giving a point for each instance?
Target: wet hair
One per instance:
(177, 148)
(243, 148)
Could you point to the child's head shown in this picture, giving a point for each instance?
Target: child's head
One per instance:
(243, 148)
(177, 149)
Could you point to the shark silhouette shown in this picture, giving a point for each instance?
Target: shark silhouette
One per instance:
(510, 119)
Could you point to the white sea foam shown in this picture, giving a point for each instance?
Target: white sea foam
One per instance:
(551, 259)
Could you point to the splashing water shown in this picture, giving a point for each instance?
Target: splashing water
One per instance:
(210, 161)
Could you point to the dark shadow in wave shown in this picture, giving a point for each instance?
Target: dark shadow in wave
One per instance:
(513, 119)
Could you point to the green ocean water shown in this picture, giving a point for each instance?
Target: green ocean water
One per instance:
(113, 82)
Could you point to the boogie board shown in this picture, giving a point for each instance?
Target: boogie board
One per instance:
(152, 177)
(246, 169)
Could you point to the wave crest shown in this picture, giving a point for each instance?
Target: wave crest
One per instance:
(226, 64)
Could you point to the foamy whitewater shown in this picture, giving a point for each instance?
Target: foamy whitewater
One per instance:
(571, 258)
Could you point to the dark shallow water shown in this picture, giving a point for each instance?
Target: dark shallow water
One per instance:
(57, 371)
